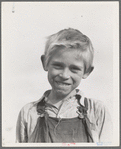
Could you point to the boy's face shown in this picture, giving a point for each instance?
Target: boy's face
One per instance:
(65, 71)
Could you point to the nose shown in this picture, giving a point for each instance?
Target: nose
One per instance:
(65, 74)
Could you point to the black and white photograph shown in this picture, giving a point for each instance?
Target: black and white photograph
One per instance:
(60, 73)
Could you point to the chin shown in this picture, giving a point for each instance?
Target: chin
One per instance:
(62, 93)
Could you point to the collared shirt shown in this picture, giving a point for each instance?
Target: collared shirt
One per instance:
(99, 118)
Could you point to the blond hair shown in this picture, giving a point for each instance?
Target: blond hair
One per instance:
(70, 39)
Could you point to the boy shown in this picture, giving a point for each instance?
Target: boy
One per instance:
(64, 114)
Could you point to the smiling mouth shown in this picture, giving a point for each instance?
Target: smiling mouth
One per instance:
(63, 84)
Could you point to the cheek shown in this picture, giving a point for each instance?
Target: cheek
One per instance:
(50, 77)
(77, 78)
(52, 73)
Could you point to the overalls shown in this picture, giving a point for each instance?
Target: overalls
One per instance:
(60, 130)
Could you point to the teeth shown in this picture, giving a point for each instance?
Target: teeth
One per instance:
(64, 84)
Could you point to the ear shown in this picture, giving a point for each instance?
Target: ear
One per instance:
(43, 62)
(88, 73)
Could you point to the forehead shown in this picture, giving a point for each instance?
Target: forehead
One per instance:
(73, 53)
(67, 56)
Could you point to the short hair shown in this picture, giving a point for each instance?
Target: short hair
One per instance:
(70, 39)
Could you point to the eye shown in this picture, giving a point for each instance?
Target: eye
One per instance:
(75, 69)
(57, 66)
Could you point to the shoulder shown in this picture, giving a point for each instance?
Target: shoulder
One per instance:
(99, 116)
(95, 107)
(96, 110)
(90, 103)
(28, 109)
(94, 104)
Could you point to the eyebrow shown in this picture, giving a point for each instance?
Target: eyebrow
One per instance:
(56, 62)
(77, 66)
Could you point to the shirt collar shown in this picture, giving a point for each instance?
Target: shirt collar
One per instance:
(73, 93)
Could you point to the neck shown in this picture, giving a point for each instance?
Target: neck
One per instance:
(55, 98)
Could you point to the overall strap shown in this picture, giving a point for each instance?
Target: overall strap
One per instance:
(82, 111)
